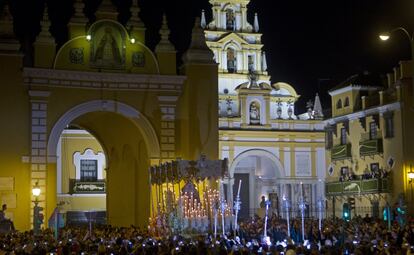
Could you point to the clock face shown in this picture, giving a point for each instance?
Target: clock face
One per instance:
(330, 170)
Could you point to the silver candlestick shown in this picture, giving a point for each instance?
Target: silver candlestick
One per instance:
(320, 208)
(286, 205)
(223, 206)
(237, 207)
(302, 207)
(267, 203)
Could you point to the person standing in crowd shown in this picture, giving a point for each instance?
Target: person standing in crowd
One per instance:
(3, 220)
(263, 202)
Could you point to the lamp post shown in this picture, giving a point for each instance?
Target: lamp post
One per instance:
(385, 36)
(37, 217)
(410, 177)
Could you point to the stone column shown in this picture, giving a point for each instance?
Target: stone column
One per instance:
(168, 105)
(38, 154)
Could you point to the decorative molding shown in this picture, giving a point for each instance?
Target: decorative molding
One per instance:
(89, 154)
(364, 113)
(168, 98)
(352, 87)
(96, 80)
(37, 93)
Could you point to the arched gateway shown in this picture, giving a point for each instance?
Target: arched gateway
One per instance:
(104, 82)
(135, 147)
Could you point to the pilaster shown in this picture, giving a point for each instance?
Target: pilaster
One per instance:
(168, 106)
(38, 145)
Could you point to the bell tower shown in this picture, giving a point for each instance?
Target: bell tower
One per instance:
(236, 45)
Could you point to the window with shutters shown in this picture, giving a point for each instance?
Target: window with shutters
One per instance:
(89, 170)
(373, 130)
(343, 136)
(389, 127)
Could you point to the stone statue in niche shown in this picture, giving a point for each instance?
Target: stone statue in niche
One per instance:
(107, 47)
(108, 50)
(290, 110)
(254, 113)
(279, 109)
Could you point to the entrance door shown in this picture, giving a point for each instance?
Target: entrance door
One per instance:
(244, 194)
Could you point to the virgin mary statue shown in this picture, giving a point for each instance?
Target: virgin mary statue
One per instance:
(107, 51)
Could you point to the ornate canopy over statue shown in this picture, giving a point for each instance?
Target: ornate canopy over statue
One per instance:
(199, 170)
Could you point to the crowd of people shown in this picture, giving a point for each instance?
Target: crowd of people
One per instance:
(358, 236)
(349, 175)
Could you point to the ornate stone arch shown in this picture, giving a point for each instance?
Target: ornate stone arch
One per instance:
(236, 46)
(257, 152)
(282, 85)
(229, 6)
(142, 123)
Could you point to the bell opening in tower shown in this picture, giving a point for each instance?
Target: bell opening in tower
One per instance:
(231, 61)
(230, 20)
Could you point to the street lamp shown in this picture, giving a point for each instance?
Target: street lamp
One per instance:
(37, 216)
(385, 36)
(36, 191)
(410, 175)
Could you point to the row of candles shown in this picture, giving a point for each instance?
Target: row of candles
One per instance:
(197, 214)
(196, 210)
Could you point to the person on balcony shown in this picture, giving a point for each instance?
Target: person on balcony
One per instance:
(351, 176)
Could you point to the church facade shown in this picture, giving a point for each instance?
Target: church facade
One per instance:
(274, 151)
(106, 81)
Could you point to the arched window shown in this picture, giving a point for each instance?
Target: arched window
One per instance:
(230, 19)
(346, 103)
(250, 63)
(231, 60)
(339, 104)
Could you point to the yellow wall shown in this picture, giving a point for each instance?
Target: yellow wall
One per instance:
(399, 147)
(188, 129)
(14, 136)
(73, 141)
(351, 95)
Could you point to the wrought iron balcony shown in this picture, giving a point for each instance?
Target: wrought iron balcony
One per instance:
(369, 145)
(341, 152)
(87, 187)
(358, 187)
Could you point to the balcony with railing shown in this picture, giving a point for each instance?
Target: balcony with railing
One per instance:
(359, 187)
(370, 144)
(341, 151)
(87, 187)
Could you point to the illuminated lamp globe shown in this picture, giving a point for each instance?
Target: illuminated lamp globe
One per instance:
(384, 36)
(410, 176)
(36, 190)
(88, 37)
(132, 40)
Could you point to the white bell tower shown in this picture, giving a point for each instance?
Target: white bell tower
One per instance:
(236, 45)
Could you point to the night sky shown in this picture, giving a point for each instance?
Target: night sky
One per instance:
(312, 45)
